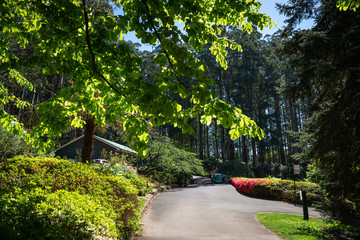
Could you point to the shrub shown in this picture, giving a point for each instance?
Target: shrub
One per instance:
(122, 169)
(11, 145)
(168, 164)
(277, 189)
(269, 169)
(37, 214)
(283, 190)
(236, 168)
(53, 175)
(285, 172)
(246, 185)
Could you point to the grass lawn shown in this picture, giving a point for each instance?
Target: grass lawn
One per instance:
(294, 227)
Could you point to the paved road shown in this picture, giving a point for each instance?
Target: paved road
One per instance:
(208, 211)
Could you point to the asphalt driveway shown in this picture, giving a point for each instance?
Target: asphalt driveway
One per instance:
(210, 211)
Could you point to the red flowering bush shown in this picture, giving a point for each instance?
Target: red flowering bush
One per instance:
(246, 185)
(278, 189)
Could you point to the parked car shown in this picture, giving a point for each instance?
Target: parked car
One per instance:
(217, 178)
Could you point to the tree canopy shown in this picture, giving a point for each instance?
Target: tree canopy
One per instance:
(327, 66)
(166, 163)
(69, 38)
(348, 4)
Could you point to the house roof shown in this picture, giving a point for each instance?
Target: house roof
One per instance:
(116, 145)
(108, 142)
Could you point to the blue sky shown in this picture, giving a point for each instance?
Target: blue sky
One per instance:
(268, 7)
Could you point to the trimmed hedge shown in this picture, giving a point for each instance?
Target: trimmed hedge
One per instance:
(277, 189)
(247, 185)
(24, 177)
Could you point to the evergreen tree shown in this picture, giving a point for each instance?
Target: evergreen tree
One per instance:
(327, 64)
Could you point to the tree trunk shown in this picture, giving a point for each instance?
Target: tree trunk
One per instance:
(279, 130)
(201, 141)
(253, 146)
(88, 144)
(207, 142)
(273, 155)
(261, 158)
(230, 148)
(239, 149)
(216, 141)
(244, 150)
(223, 156)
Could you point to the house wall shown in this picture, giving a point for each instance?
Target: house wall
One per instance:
(73, 150)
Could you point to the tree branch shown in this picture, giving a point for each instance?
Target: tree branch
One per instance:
(166, 53)
(93, 60)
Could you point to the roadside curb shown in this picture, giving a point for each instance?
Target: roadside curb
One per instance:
(151, 196)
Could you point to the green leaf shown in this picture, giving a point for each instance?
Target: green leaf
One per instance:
(206, 120)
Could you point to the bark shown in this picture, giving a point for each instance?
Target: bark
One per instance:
(279, 130)
(207, 142)
(230, 148)
(244, 150)
(223, 155)
(287, 140)
(88, 144)
(299, 118)
(239, 149)
(273, 154)
(201, 141)
(261, 157)
(216, 141)
(253, 146)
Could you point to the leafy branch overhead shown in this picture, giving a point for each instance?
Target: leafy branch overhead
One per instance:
(70, 39)
(348, 4)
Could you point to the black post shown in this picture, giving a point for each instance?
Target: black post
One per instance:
(294, 192)
(305, 204)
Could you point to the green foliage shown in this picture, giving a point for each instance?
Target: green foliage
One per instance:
(326, 62)
(236, 168)
(68, 38)
(283, 190)
(340, 208)
(11, 145)
(271, 169)
(168, 164)
(123, 169)
(142, 202)
(211, 164)
(38, 214)
(53, 175)
(314, 174)
(294, 227)
(348, 4)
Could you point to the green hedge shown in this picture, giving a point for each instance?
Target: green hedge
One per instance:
(76, 182)
(283, 190)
